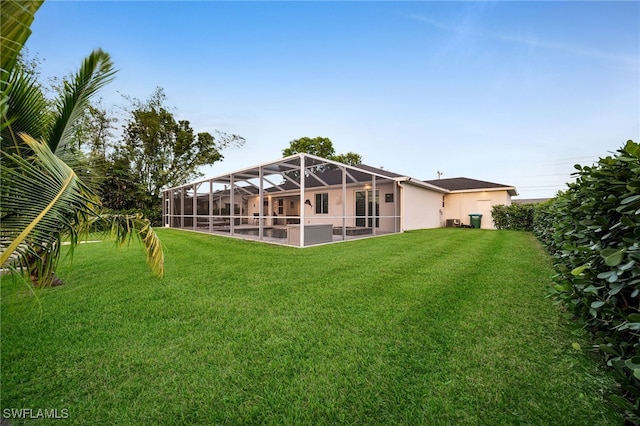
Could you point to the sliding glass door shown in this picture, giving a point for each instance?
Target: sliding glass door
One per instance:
(364, 208)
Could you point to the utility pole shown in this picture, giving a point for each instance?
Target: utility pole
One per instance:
(439, 173)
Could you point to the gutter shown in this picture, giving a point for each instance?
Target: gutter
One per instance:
(410, 181)
(510, 189)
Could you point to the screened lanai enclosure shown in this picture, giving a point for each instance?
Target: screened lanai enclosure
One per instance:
(299, 200)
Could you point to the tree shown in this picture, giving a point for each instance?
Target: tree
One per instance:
(42, 199)
(164, 152)
(93, 133)
(119, 189)
(93, 129)
(94, 138)
(350, 158)
(107, 169)
(321, 147)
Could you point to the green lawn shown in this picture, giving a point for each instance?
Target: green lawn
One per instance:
(445, 326)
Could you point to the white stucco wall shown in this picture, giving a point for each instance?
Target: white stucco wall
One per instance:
(460, 205)
(422, 208)
(334, 216)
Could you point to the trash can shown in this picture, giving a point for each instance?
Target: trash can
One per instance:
(475, 219)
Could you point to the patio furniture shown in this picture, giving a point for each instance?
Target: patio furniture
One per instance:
(313, 234)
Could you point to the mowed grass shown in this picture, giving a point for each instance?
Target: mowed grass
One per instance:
(445, 326)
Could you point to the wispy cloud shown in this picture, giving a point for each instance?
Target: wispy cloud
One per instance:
(529, 41)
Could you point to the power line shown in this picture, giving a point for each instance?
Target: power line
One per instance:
(541, 187)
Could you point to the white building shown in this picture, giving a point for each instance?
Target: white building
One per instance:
(334, 201)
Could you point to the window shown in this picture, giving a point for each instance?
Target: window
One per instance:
(227, 209)
(322, 203)
(280, 206)
(364, 208)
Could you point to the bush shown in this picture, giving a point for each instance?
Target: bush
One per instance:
(544, 222)
(593, 232)
(516, 217)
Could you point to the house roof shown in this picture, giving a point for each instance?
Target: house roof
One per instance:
(360, 174)
(467, 184)
(333, 176)
(379, 171)
(284, 175)
(365, 177)
(318, 172)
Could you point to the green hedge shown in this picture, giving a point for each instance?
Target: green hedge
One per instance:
(593, 232)
(516, 217)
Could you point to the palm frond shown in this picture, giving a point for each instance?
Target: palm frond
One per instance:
(27, 111)
(123, 228)
(41, 197)
(41, 200)
(96, 71)
(16, 17)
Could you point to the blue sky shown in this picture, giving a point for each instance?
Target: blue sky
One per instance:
(508, 92)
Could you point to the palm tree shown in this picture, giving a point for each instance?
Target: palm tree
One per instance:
(42, 199)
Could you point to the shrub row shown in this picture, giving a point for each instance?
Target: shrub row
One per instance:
(516, 217)
(592, 230)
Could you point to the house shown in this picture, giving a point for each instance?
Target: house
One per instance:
(471, 196)
(303, 199)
